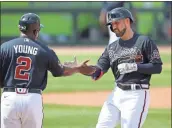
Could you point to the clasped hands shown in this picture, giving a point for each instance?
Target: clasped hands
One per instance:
(83, 68)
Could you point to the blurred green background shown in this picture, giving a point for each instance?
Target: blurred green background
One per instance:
(56, 23)
(62, 24)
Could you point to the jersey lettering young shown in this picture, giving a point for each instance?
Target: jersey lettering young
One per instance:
(25, 49)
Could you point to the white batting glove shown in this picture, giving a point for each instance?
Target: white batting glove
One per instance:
(71, 63)
(127, 68)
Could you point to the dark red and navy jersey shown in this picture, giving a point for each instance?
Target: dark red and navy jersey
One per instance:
(24, 63)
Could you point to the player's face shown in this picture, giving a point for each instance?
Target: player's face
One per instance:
(37, 35)
(119, 27)
(34, 30)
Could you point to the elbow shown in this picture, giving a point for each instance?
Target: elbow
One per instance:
(58, 74)
(158, 69)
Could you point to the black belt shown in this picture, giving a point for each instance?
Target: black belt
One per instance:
(129, 86)
(17, 90)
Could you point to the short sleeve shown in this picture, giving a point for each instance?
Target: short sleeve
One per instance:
(152, 52)
(104, 61)
(54, 64)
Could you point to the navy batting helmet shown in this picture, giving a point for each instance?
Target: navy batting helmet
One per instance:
(119, 13)
(27, 19)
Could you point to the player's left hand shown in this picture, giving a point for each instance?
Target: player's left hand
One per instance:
(127, 68)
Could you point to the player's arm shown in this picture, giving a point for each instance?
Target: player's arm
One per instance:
(54, 65)
(58, 70)
(102, 66)
(154, 65)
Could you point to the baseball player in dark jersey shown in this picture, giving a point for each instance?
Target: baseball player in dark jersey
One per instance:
(23, 69)
(133, 58)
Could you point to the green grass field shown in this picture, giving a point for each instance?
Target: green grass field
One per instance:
(79, 82)
(86, 117)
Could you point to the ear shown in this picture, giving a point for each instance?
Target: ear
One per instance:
(34, 32)
(127, 21)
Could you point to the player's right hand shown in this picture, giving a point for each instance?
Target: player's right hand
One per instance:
(86, 69)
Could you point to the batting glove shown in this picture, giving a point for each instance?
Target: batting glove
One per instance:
(97, 74)
(127, 68)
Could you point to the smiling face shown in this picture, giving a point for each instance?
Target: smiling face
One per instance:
(119, 27)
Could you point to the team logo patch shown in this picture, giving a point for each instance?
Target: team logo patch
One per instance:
(155, 55)
(26, 40)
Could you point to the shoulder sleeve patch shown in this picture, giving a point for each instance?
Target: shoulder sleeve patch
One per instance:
(155, 54)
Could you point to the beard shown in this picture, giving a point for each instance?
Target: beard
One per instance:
(119, 33)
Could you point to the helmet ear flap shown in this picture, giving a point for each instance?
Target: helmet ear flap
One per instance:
(23, 26)
(111, 27)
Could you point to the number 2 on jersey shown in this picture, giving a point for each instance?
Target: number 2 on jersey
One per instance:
(23, 67)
